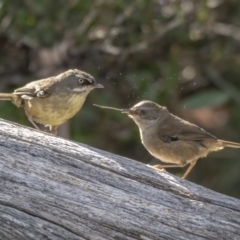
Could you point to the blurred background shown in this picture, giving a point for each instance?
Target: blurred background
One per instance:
(183, 54)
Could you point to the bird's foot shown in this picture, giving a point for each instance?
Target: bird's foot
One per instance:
(53, 130)
(158, 166)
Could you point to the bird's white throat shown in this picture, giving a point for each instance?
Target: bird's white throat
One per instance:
(79, 90)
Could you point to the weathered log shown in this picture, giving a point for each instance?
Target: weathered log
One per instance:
(52, 188)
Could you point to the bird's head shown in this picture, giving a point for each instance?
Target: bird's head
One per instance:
(145, 113)
(78, 82)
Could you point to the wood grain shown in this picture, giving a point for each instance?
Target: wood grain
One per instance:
(52, 188)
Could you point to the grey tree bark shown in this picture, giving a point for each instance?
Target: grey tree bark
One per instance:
(52, 188)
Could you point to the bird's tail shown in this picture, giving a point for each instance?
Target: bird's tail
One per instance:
(6, 96)
(230, 144)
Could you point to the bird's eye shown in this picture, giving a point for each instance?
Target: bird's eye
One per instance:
(81, 81)
(143, 112)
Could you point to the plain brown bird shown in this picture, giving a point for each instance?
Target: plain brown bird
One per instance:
(170, 138)
(54, 100)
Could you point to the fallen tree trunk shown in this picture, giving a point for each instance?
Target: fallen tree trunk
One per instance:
(51, 188)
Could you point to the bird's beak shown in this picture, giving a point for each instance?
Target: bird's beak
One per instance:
(96, 85)
(127, 111)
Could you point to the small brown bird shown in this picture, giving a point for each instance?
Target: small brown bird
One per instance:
(52, 101)
(170, 138)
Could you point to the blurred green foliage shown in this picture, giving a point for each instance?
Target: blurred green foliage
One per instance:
(180, 53)
(207, 98)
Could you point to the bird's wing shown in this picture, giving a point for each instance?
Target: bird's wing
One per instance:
(179, 129)
(33, 90)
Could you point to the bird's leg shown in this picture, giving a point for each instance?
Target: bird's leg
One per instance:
(33, 123)
(53, 130)
(192, 164)
(159, 166)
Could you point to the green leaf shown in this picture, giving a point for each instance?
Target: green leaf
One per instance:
(207, 98)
